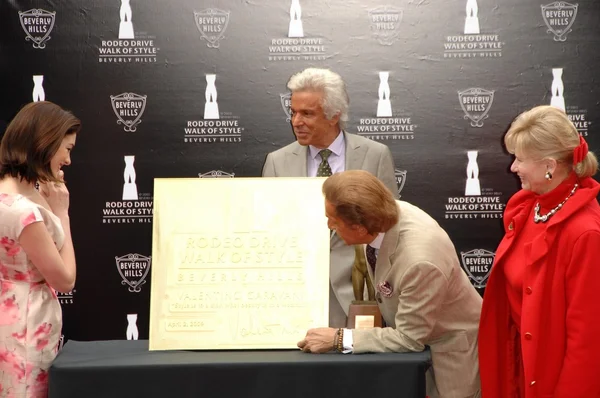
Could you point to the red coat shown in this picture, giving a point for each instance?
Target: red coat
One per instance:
(560, 322)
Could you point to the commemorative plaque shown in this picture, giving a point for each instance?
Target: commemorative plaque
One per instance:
(238, 263)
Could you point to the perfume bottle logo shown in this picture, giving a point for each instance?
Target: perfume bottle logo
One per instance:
(211, 108)
(38, 89)
(132, 330)
(296, 29)
(558, 89)
(471, 21)
(129, 187)
(472, 187)
(125, 26)
(384, 106)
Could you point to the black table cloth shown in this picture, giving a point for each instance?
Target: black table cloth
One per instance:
(121, 368)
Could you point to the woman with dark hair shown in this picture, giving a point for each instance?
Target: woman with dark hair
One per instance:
(539, 329)
(36, 253)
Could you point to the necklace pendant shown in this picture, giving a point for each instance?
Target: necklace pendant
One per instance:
(536, 211)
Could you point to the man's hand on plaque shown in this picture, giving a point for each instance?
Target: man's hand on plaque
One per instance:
(318, 340)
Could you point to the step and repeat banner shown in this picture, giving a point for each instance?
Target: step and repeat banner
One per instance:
(198, 89)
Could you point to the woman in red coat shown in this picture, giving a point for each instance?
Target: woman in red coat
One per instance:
(539, 332)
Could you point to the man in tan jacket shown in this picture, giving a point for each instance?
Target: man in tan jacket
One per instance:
(423, 294)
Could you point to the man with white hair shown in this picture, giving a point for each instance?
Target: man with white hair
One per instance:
(319, 112)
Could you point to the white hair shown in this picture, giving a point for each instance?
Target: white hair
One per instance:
(335, 97)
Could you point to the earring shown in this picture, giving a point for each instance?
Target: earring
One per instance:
(548, 176)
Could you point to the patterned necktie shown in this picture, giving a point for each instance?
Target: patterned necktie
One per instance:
(371, 257)
(324, 169)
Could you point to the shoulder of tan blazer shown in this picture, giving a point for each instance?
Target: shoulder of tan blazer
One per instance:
(356, 141)
(427, 240)
(293, 147)
(276, 160)
(380, 161)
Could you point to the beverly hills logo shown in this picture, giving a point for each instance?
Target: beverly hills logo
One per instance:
(477, 263)
(473, 44)
(286, 104)
(212, 24)
(216, 174)
(129, 108)
(215, 126)
(133, 268)
(559, 18)
(385, 24)
(297, 47)
(477, 202)
(557, 99)
(134, 207)
(476, 104)
(131, 45)
(386, 126)
(400, 180)
(37, 24)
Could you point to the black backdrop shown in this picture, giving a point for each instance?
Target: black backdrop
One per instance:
(454, 86)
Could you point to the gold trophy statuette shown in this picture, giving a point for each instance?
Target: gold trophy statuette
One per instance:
(362, 313)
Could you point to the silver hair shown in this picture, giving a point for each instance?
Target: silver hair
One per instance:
(335, 96)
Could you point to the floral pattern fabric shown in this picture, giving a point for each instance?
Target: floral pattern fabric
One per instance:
(30, 314)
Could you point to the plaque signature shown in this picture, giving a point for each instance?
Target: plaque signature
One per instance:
(256, 326)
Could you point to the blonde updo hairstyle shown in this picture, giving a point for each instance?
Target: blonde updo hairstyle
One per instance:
(546, 132)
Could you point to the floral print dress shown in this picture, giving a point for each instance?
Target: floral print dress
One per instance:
(30, 314)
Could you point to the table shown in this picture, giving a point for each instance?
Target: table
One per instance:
(121, 368)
